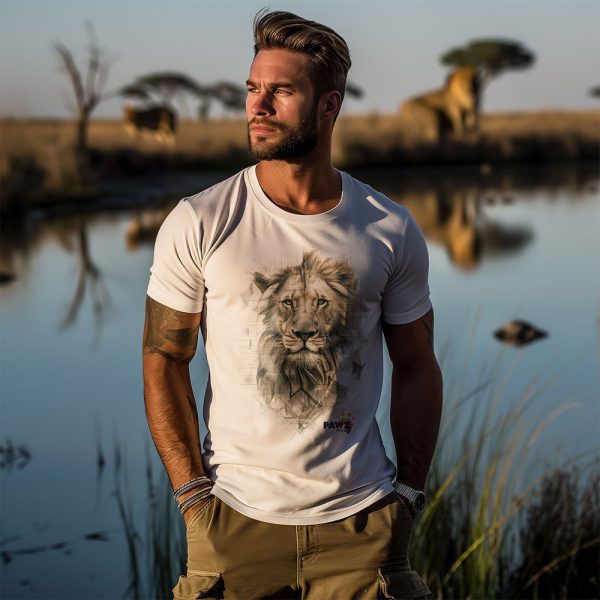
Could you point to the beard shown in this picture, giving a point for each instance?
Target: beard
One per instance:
(296, 141)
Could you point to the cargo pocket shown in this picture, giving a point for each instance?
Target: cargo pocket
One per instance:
(190, 587)
(402, 584)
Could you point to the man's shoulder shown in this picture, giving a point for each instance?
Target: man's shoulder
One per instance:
(371, 197)
(218, 196)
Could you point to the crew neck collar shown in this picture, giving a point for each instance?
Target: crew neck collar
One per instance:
(278, 212)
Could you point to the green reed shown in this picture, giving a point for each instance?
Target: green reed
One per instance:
(157, 558)
(481, 486)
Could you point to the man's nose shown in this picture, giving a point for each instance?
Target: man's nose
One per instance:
(260, 105)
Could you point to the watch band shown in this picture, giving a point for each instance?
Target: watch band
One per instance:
(416, 498)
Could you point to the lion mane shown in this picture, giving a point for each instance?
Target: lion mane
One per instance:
(307, 311)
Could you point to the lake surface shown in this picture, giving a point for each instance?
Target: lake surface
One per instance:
(502, 246)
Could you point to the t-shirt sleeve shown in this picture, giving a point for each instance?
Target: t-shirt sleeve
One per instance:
(176, 278)
(406, 295)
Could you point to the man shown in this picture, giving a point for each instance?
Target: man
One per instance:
(292, 270)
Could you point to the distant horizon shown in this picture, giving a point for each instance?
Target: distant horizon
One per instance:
(357, 114)
(395, 48)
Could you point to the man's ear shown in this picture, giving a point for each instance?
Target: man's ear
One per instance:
(331, 103)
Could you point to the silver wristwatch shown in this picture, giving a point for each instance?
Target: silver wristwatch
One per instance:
(415, 498)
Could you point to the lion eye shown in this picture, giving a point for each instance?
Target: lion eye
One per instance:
(322, 301)
(287, 302)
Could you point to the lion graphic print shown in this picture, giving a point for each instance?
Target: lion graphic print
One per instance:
(308, 313)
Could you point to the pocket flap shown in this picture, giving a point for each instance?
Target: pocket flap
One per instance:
(190, 587)
(402, 584)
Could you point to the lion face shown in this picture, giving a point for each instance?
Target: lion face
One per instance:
(306, 311)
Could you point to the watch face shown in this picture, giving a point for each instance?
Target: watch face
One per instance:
(419, 502)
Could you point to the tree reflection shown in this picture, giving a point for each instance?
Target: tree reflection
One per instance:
(144, 226)
(13, 457)
(88, 273)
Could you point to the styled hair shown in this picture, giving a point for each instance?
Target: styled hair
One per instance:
(327, 50)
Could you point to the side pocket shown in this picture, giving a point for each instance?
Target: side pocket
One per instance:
(405, 585)
(203, 508)
(191, 587)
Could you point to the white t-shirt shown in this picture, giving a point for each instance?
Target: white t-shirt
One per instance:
(292, 307)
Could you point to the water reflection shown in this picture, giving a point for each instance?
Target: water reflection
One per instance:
(457, 220)
(468, 219)
(88, 276)
(450, 207)
(21, 240)
(453, 209)
(144, 226)
(9, 554)
(13, 457)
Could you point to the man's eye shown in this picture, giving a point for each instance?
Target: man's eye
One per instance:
(281, 91)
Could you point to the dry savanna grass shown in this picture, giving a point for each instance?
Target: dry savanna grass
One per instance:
(37, 157)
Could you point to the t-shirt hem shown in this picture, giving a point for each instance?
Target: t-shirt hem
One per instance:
(407, 317)
(295, 519)
(173, 302)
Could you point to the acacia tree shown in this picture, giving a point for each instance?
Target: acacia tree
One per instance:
(354, 90)
(162, 88)
(233, 96)
(490, 57)
(88, 87)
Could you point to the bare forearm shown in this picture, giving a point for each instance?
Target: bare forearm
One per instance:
(416, 407)
(169, 344)
(173, 420)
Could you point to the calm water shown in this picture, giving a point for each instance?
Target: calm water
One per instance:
(503, 247)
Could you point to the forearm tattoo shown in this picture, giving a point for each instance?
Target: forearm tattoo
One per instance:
(169, 333)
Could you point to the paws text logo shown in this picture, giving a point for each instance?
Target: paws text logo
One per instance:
(343, 424)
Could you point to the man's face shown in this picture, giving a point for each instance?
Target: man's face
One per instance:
(281, 106)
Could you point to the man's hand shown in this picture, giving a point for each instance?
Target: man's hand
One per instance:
(169, 344)
(416, 403)
(187, 516)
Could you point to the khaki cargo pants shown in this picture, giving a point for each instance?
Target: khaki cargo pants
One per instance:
(363, 556)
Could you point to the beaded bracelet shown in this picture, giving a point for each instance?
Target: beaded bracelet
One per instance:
(190, 485)
(192, 500)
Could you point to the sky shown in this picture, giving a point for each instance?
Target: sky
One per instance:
(395, 47)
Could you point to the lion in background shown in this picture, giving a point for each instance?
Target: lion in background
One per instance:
(454, 108)
(307, 310)
(158, 122)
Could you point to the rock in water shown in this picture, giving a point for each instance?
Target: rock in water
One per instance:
(6, 277)
(519, 333)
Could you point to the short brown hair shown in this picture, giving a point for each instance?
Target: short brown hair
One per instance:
(327, 50)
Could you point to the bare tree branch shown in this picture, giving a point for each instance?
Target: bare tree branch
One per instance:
(68, 64)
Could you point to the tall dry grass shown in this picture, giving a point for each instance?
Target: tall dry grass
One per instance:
(38, 163)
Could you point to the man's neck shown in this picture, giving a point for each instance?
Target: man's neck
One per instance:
(309, 187)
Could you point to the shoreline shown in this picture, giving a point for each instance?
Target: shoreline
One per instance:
(38, 168)
(148, 192)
